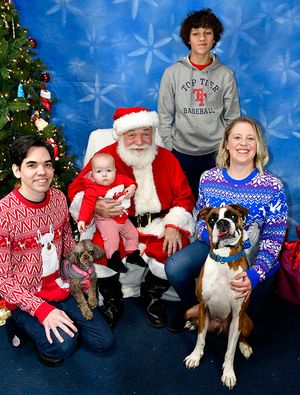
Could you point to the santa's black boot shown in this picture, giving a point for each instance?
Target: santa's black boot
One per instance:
(113, 305)
(151, 293)
(136, 259)
(115, 263)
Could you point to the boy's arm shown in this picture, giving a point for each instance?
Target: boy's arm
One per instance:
(231, 101)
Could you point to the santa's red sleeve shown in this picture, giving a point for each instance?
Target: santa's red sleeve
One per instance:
(78, 184)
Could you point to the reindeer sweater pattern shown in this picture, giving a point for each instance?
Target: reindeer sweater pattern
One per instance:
(264, 196)
(33, 237)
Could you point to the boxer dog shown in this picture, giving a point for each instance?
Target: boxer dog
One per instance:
(216, 299)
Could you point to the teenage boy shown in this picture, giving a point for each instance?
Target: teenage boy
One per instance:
(198, 98)
(34, 235)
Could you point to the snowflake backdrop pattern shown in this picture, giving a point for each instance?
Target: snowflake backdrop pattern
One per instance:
(104, 54)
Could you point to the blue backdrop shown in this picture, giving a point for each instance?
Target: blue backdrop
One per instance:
(103, 54)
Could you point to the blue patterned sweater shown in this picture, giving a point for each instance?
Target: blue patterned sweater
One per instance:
(266, 223)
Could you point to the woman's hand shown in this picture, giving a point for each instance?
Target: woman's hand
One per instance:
(172, 240)
(242, 285)
(108, 208)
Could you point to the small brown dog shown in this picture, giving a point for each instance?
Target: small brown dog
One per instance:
(79, 271)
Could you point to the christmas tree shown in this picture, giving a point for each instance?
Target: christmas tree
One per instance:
(25, 102)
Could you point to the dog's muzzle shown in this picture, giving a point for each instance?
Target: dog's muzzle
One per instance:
(223, 227)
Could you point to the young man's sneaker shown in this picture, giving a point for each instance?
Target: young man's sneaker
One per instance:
(50, 362)
(16, 335)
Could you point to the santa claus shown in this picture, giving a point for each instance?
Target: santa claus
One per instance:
(162, 210)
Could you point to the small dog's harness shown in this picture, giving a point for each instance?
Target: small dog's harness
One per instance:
(69, 271)
(223, 259)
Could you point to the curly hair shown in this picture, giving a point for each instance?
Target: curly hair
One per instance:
(262, 155)
(201, 18)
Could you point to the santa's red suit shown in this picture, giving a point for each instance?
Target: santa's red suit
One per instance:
(163, 195)
(162, 187)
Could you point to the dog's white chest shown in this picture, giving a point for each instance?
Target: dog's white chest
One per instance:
(216, 291)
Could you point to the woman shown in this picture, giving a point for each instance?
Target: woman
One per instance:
(238, 178)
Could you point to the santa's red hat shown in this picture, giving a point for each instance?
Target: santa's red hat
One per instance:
(126, 119)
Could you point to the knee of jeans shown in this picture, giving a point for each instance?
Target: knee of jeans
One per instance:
(171, 269)
(104, 344)
(66, 348)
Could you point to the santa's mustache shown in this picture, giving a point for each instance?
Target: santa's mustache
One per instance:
(138, 147)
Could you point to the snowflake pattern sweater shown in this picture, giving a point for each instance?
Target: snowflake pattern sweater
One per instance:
(265, 198)
(33, 238)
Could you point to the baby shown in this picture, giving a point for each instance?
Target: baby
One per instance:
(106, 183)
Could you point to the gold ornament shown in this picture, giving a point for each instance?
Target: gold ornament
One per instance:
(4, 314)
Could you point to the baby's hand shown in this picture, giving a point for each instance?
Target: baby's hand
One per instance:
(129, 192)
(81, 226)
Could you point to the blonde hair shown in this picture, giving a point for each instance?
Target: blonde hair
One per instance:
(262, 156)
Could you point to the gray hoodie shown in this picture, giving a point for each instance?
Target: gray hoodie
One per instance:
(195, 106)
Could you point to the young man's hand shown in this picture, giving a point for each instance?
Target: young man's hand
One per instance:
(58, 319)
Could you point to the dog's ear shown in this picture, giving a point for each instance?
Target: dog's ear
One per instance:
(204, 212)
(241, 209)
(98, 252)
(72, 257)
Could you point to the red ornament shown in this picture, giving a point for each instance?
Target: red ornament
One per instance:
(45, 77)
(32, 42)
(45, 98)
(55, 147)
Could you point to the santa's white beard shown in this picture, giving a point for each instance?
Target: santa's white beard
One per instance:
(137, 156)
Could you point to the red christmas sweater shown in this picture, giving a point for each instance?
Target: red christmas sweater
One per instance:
(33, 238)
(113, 191)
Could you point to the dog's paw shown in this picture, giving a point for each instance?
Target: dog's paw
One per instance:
(245, 349)
(192, 360)
(190, 326)
(93, 303)
(228, 378)
(88, 315)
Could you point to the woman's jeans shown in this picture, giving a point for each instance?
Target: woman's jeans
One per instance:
(184, 266)
(94, 334)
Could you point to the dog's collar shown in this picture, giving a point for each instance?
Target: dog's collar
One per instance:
(223, 259)
(82, 272)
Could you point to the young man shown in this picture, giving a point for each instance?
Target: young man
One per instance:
(162, 209)
(198, 97)
(34, 235)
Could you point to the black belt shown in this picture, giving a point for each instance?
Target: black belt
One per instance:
(144, 219)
